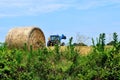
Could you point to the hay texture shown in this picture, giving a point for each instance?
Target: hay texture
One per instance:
(18, 37)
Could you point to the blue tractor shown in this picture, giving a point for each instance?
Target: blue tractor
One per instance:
(56, 40)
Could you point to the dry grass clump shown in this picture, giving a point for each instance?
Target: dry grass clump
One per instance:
(81, 49)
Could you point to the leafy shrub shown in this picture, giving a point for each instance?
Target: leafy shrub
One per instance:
(47, 64)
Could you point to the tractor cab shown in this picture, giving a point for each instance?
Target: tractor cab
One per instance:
(55, 40)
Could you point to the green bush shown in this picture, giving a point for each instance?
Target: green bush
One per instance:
(47, 64)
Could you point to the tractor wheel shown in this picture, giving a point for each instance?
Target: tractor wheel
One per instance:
(48, 43)
(62, 44)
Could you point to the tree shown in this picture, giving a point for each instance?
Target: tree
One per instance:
(110, 43)
(81, 39)
(79, 44)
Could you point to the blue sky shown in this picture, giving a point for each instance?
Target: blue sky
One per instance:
(70, 17)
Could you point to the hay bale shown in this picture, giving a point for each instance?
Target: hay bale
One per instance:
(17, 37)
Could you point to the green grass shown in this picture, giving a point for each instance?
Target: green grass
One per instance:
(47, 64)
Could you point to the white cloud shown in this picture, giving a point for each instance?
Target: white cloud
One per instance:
(29, 7)
(89, 4)
(45, 8)
(35, 7)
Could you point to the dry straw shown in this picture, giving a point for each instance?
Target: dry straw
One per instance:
(17, 37)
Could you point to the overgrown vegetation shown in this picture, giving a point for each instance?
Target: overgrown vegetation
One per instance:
(46, 64)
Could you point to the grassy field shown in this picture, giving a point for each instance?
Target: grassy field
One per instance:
(80, 49)
(84, 50)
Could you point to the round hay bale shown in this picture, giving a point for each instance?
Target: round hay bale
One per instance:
(18, 37)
